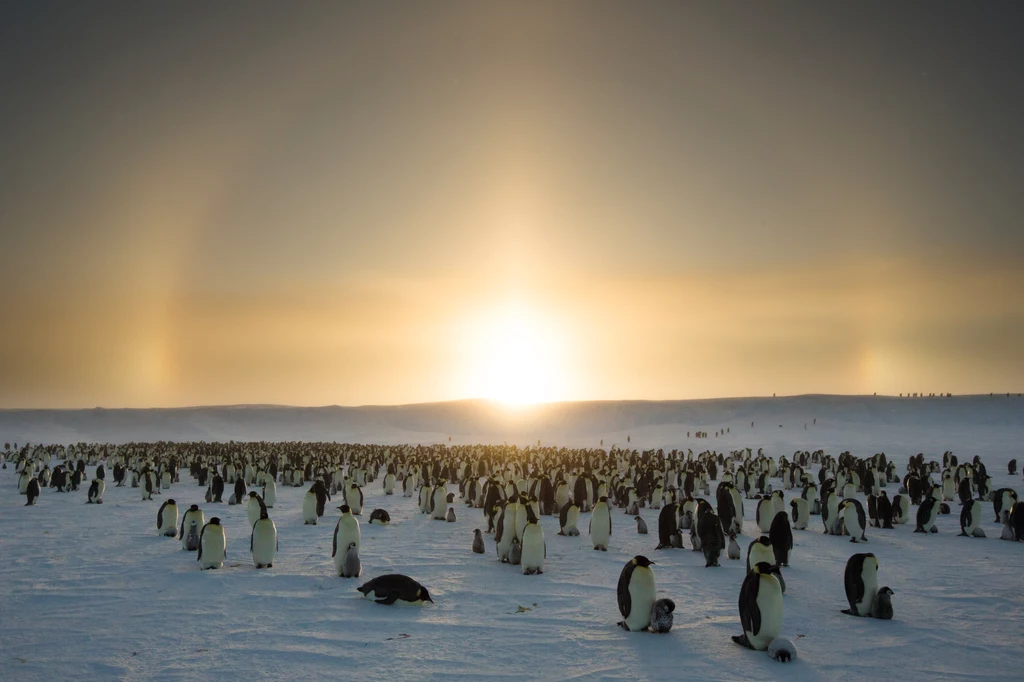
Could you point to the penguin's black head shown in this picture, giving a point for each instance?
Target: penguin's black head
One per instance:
(171, 502)
(252, 493)
(641, 560)
(424, 595)
(194, 507)
(764, 540)
(345, 509)
(765, 568)
(886, 590)
(603, 498)
(351, 545)
(215, 521)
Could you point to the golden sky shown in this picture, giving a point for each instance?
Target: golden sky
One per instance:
(397, 202)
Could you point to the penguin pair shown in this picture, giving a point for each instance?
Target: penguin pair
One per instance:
(862, 592)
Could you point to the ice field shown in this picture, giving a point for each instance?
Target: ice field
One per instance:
(91, 591)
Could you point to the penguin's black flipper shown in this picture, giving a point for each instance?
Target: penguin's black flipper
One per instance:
(742, 640)
(388, 600)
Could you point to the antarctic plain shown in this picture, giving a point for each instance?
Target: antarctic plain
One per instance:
(92, 592)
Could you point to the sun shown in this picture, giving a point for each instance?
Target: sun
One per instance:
(515, 357)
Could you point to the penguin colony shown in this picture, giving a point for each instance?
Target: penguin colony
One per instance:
(512, 488)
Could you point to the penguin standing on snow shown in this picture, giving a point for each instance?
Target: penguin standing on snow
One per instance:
(855, 519)
(352, 567)
(345, 532)
(263, 540)
(861, 581)
(734, 547)
(191, 524)
(882, 606)
(641, 525)
(213, 545)
(970, 520)
(601, 526)
(32, 491)
(760, 551)
(96, 489)
(661, 615)
(236, 497)
(883, 508)
(781, 537)
(534, 548)
(254, 508)
(167, 519)
(636, 593)
(800, 513)
(478, 542)
(926, 515)
(760, 607)
(217, 489)
(712, 539)
(310, 503)
(668, 526)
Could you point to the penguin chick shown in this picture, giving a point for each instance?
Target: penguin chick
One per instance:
(641, 525)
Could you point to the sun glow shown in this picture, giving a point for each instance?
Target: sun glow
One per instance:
(515, 357)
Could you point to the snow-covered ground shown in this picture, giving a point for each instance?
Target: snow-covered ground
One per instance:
(91, 592)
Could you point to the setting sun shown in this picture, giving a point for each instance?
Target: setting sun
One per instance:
(515, 357)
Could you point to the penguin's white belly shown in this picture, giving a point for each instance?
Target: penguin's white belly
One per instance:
(533, 547)
(765, 514)
(600, 530)
(309, 508)
(214, 548)
(642, 595)
(170, 521)
(270, 493)
(769, 603)
(253, 511)
(852, 522)
(440, 504)
(264, 542)
(572, 517)
(347, 532)
(759, 553)
(521, 520)
(870, 578)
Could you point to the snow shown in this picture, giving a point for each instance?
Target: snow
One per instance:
(91, 592)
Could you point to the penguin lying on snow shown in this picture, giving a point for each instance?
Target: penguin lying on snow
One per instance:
(380, 516)
(387, 589)
(782, 650)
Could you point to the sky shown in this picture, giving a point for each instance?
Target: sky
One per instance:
(391, 202)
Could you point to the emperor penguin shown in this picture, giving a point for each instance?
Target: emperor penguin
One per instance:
(926, 515)
(309, 516)
(900, 509)
(534, 547)
(23, 481)
(354, 498)
(781, 537)
(236, 497)
(191, 524)
(568, 517)
(765, 513)
(380, 516)
(389, 483)
(503, 534)
(478, 542)
(759, 550)
(32, 491)
(641, 525)
(861, 581)
(970, 519)
(800, 513)
(388, 589)
(709, 531)
(782, 650)
(601, 529)
(440, 499)
(856, 522)
(213, 545)
(167, 519)
(830, 513)
(263, 540)
(217, 488)
(883, 510)
(269, 491)
(346, 532)
(760, 607)
(146, 487)
(96, 489)
(254, 508)
(636, 593)
(352, 566)
(882, 606)
(450, 517)
(668, 526)
(661, 615)
(515, 552)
